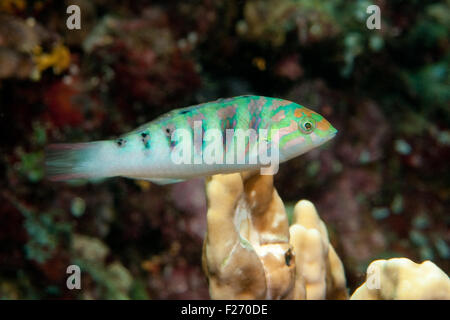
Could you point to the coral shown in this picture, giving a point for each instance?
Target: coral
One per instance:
(58, 58)
(381, 186)
(113, 279)
(247, 253)
(266, 20)
(321, 270)
(22, 53)
(46, 235)
(143, 56)
(400, 279)
(271, 21)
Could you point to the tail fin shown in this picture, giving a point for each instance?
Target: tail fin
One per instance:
(67, 161)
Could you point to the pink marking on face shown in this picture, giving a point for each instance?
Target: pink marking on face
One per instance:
(294, 142)
(286, 130)
(279, 116)
(227, 112)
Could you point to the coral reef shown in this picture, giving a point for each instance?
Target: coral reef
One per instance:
(381, 185)
(249, 252)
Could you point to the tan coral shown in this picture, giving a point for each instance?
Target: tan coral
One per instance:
(402, 279)
(317, 264)
(250, 252)
(247, 253)
(247, 239)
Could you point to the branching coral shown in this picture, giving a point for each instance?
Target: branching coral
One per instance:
(250, 252)
(247, 253)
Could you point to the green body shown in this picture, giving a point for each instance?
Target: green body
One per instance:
(200, 140)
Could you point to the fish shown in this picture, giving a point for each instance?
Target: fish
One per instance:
(227, 135)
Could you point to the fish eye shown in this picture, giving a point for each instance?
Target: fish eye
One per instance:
(307, 125)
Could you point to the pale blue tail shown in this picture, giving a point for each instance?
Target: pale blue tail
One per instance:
(68, 161)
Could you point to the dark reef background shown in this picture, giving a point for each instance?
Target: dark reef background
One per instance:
(382, 185)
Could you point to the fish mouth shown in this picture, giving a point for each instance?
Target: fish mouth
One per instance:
(330, 136)
(333, 133)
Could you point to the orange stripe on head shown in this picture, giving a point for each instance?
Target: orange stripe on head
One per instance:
(300, 112)
(287, 130)
(323, 125)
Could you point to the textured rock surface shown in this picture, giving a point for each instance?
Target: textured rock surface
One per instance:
(402, 279)
(247, 252)
(316, 260)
